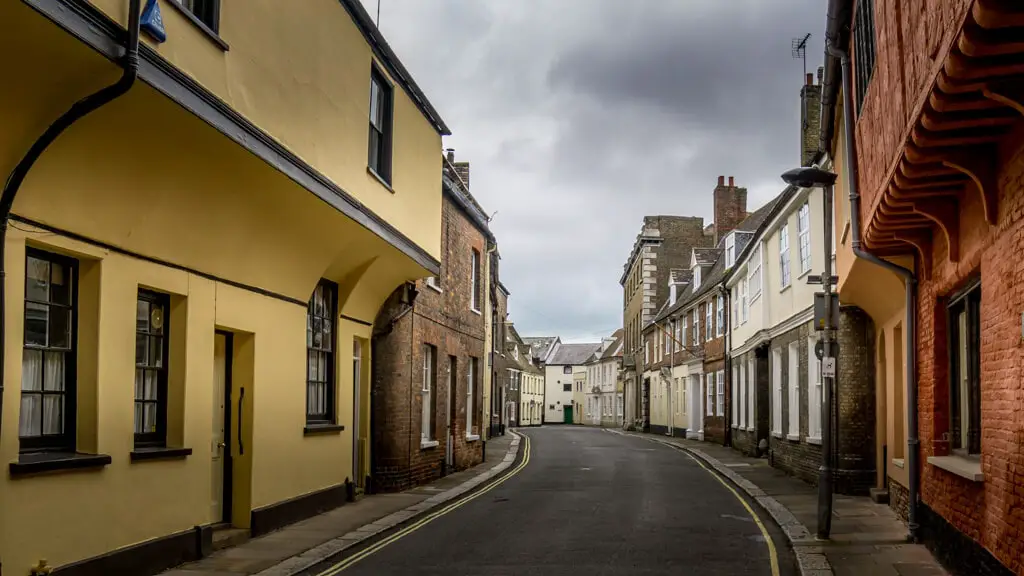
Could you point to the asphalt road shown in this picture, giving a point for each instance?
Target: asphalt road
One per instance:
(595, 503)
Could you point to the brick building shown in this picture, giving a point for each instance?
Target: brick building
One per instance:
(501, 363)
(922, 110)
(428, 356)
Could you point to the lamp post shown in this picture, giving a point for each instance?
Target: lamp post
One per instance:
(814, 177)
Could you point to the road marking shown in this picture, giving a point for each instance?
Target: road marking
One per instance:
(347, 562)
(772, 555)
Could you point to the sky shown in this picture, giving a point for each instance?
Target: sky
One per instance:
(579, 117)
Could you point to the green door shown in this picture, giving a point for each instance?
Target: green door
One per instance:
(566, 414)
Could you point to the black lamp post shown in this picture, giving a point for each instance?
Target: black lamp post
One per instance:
(814, 177)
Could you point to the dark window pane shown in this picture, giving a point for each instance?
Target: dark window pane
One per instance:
(140, 379)
(156, 351)
(35, 324)
(374, 160)
(31, 415)
(37, 280)
(32, 370)
(53, 414)
(142, 316)
(60, 327)
(150, 417)
(54, 372)
(141, 351)
(149, 389)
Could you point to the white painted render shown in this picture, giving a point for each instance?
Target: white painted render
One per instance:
(555, 396)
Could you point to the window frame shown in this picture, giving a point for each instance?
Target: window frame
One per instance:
(385, 132)
(744, 303)
(696, 325)
(815, 390)
(785, 271)
(66, 441)
(428, 407)
(803, 226)
(474, 280)
(755, 273)
(864, 49)
(330, 416)
(207, 17)
(968, 303)
(709, 393)
(730, 250)
(720, 389)
(158, 438)
(708, 321)
(720, 315)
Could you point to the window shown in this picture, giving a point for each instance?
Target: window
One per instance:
(647, 351)
(735, 397)
(684, 330)
(380, 126)
(320, 331)
(684, 396)
(696, 277)
(205, 11)
(794, 389)
(730, 250)
(696, 327)
(784, 257)
(679, 324)
(777, 391)
(863, 48)
(708, 320)
(433, 282)
(567, 370)
(742, 400)
(48, 385)
(429, 404)
(744, 305)
(151, 333)
(754, 276)
(803, 220)
(965, 385)
(720, 406)
(720, 315)
(751, 386)
(813, 391)
(709, 386)
(471, 391)
(474, 303)
(567, 387)
(734, 313)
(619, 402)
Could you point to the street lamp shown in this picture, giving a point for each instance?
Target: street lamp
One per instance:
(814, 177)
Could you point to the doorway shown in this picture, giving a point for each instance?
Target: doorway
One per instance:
(358, 440)
(449, 450)
(220, 503)
(567, 414)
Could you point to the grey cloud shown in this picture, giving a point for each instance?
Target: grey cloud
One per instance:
(581, 116)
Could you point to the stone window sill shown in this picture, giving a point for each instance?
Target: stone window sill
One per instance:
(793, 437)
(318, 429)
(53, 461)
(898, 462)
(804, 273)
(426, 444)
(433, 287)
(814, 440)
(750, 428)
(213, 36)
(475, 311)
(968, 468)
(472, 437)
(777, 434)
(158, 453)
(380, 179)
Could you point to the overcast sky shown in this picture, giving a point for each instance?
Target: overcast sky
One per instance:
(579, 117)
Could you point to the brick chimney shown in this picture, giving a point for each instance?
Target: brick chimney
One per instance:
(730, 207)
(461, 168)
(810, 117)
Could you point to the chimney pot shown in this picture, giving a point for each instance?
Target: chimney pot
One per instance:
(810, 79)
(721, 180)
(732, 182)
(451, 154)
(821, 73)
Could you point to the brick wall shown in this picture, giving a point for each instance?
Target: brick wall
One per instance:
(797, 457)
(810, 118)
(990, 513)
(442, 319)
(714, 360)
(680, 235)
(855, 390)
(899, 499)
(730, 207)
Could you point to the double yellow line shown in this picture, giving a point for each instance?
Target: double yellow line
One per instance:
(347, 562)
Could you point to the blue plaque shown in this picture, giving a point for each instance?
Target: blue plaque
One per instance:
(152, 22)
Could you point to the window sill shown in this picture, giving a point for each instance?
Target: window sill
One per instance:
(434, 288)
(472, 437)
(804, 273)
(380, 179)
(786, 287)
(475, 311)
(968, 468)
(899, 462)
(814, 440)
(754, 298)
(53, 461)
(777, 434)
(318, 429)
(426, 444)
(213, 36)
(158, 453)
(793, 437)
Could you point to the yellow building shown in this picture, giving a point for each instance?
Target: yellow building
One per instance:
(192, 271)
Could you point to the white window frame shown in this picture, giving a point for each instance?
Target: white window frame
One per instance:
(814, 390)
(432, 282)
(744, 304)
(709, 392)
(735, 397)
(793, 359)
(429, 375)
(709, 320)
(720, 389)
(696, 277)
(734, 313)
(470, 376)
(754, 276)
(741, 371)
(720, 315)
(777, 391)
(803, 219)
(696, 325)
(474, 280)
(785, 274)
(751, 387)
(730, 250)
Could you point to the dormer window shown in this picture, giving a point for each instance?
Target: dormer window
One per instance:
(696, 277)
(730, 250)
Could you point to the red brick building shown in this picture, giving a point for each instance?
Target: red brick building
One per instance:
(933, 94)
(429, 356)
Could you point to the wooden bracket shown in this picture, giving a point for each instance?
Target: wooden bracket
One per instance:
(944, 211)
(980, 167)
(1007, 93)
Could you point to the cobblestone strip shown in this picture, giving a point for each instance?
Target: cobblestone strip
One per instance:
(313, 556)
(809, 559)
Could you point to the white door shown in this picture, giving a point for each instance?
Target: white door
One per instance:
(220, 438)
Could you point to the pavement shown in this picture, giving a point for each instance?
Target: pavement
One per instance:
(295, 548)
(583, 501)
(866, 538)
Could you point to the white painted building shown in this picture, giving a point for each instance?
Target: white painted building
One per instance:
(562, 363)
(603, 399)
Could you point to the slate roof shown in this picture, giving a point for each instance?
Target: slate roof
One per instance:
(573, 354)
(706, 256)
(540, 346)
(614, 350)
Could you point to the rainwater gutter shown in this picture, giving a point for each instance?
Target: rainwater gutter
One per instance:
(909, 278)
(80, 109)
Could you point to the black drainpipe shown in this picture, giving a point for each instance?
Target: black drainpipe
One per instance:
(910, 280)
(80, 109)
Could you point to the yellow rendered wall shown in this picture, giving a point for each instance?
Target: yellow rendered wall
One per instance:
(302, 75)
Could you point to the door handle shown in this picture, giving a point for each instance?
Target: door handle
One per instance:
(241, 445)
(221, 445)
